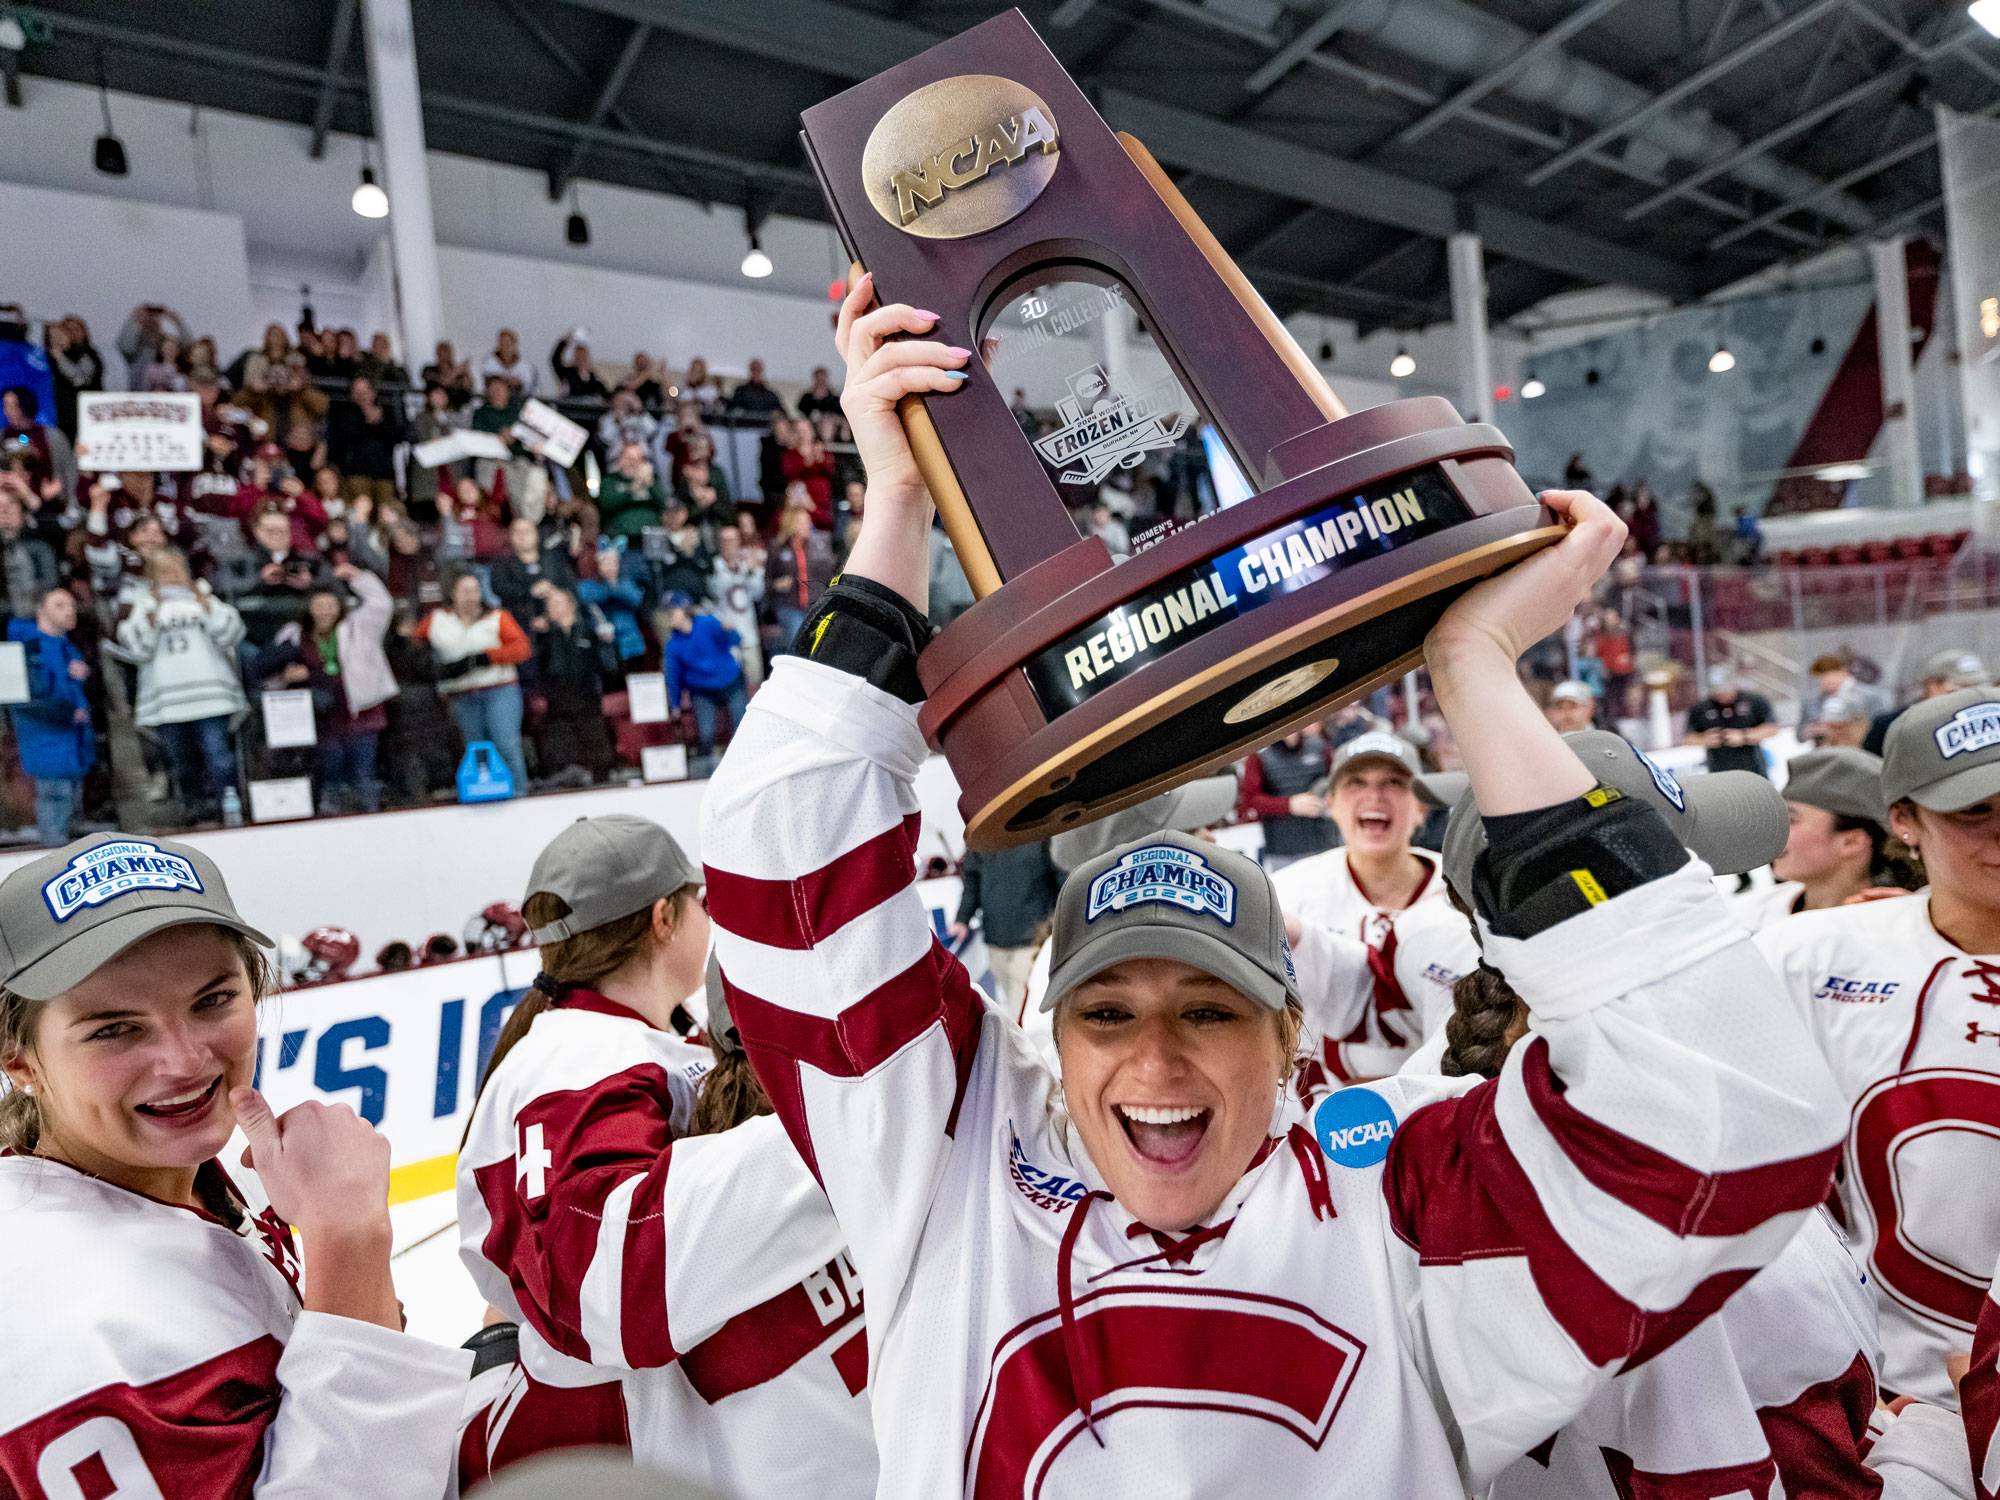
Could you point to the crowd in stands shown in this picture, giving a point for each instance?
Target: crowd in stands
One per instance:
(422, 607)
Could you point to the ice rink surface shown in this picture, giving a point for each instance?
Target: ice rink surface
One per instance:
(438, 1296)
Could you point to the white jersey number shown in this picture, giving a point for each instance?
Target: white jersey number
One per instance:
(101, 1450)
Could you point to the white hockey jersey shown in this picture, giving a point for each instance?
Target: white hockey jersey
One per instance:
(1766, 905)
(1769, 1398)
(1321, 888)
(1365, 1024)
(686, 1297)
(1401, 1309)
(156, 1353)
(1911, 1027)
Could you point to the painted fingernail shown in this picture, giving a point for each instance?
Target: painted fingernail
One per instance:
(928, 317)
(957, 353)
(954, 374)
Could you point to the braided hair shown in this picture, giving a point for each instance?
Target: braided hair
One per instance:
(1487, 1018)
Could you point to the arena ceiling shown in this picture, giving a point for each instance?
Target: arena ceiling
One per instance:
(1668, 145)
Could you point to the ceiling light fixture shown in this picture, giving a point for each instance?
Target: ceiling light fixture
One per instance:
(1722, 361)
(1532, 387)
(1986, 13)
(369, 200)
(108, 153)
(576, 229)
(1403, 365)
(756, 264)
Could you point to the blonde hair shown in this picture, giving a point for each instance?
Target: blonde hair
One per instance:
(22, 1113)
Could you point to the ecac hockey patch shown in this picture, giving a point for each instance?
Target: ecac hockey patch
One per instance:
(1164, 874)
(1354, 1127)
(108, 871)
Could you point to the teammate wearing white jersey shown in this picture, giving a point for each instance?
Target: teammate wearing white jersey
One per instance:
(1128, 1287)
(1903, 996)
(1837, 845)
(1380, 891)
(161, 1343)
(680, 1284)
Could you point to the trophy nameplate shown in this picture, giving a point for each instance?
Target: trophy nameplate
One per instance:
(976, 180)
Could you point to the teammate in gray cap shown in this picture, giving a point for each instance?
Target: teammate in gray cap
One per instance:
(1944, 672)
(162, 1340)
(1839, 843)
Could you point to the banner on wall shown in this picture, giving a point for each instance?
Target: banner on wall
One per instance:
(405, 1051)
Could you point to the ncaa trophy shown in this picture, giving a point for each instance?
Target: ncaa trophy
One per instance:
(977, 181)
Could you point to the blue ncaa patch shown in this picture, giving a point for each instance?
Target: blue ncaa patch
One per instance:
(1163, 874)
(1354, 1127)
(107, 871)
(1663, 779)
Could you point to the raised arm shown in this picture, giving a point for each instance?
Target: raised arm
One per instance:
(862, 1028)
(1667, 1124)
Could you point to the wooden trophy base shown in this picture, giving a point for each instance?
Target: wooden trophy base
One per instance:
(1086, 686)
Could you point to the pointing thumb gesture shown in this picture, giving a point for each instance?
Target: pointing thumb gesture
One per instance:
(259, 1125)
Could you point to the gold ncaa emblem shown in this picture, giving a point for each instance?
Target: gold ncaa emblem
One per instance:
(1255, 705)
(960, 156)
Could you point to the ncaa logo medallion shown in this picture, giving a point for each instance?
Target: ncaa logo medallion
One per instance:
(1354, 1127)
(960, 156)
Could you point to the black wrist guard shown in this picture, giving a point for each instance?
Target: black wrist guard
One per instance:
(1541, 868)
(873, 632)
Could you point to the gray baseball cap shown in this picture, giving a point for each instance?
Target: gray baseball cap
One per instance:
(1377, 744)
(1572, 691)
(1732, 820)
(1944, 753)
(1959, 667)
(1844, 780)
(1839, 710)
(1441, 788)
(1193, 805)
(67, 914)
(1170, 895)
(605, 868)
(718, 1023)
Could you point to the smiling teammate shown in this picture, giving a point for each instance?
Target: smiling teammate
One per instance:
(163, 1344)
(1127, 1285)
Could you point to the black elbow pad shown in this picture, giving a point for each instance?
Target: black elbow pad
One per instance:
(1541, 868)
(870, 631)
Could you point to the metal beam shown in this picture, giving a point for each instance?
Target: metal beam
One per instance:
(1232, 153)
(1070, 12)
(1839, 184)
(1695, 81)
(1583, 16)
(1309, 40)
(336, 58)
(628, 57)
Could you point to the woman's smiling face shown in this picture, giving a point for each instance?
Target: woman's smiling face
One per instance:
(1170, 1077)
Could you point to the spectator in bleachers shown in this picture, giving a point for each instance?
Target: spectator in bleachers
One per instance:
(167, 371)
(703, 485)
(470, 530)
(735, 592)
(808, 463)
(75, 366)
(419, 749)
(644, 381)
(1643, 530)
(42, 448)
(1747, 539)
(797, 571)
(752, 397)
(528, 574)
(519, 472)
(147, 328)
(362, 434)
(571, 650)
(446, 369)
(1707, 543)
(413, 574)
(687, 422)
(631, 497)
(1576, 474)
(1832, 678)
(479, 651)
(702, 669)
(820, 398)
(336, 654)
(620, 600)
(628, 421)
(576, 375)
(268, 584)
(27, 564)
(688, 561)
(701, 388)
(1841, 722)
(254, 369)
(53, 729)
(183, 639)
(381, 366)
(1731, 724)
(1944, 672)
(1283, 788)
(507, 362)
(438, 419)
(353, 539)
(1572, 706)
(269, 484)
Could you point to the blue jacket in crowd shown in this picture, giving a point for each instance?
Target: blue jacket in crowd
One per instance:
(702, 660)
(53, 745)
(619, 603)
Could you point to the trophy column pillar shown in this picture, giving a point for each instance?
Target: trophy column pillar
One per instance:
(1467, 260)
